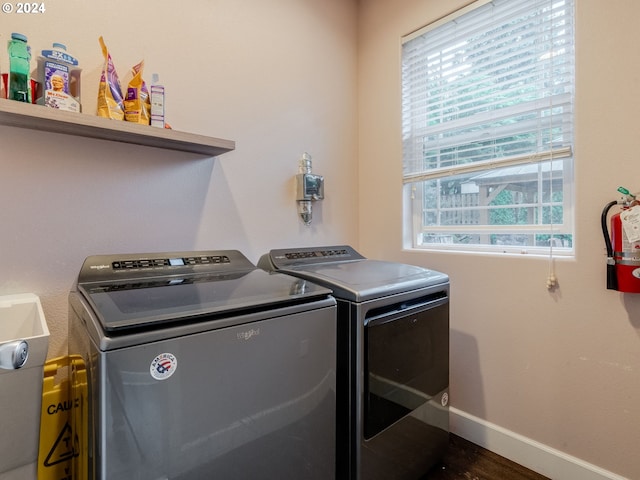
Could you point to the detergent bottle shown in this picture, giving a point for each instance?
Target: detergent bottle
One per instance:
(58, 74)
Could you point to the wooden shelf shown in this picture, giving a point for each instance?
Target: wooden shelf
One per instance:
(37, 117)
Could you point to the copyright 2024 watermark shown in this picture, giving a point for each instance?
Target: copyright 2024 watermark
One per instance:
(20, 8)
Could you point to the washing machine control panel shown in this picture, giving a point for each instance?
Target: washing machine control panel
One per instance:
(101, 268)
(169, 262)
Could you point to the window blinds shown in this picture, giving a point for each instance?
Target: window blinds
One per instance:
(492, 84)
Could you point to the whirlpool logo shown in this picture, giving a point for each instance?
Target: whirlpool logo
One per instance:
(99, 267)
(248, 334)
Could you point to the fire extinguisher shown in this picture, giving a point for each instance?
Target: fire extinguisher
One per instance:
(623, 256)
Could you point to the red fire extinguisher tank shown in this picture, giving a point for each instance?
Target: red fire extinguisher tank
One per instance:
(627, 257)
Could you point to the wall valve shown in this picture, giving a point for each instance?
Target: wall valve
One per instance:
(310, 188)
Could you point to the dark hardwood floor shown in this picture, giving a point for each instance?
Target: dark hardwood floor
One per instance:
(467, 461)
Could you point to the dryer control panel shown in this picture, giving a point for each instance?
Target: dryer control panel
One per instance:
(281, 258)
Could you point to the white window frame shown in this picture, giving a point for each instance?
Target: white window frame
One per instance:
(550, 160)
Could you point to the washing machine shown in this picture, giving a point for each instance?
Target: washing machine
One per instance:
(393, 359)
(198, 365)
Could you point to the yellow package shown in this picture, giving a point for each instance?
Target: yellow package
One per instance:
(110, 104)
(137, 104)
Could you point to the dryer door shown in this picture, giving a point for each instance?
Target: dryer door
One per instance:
(406, 362)
(405, 427)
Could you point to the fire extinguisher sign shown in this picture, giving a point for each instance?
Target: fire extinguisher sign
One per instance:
(631, 223)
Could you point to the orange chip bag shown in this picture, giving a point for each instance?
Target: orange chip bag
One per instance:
(137, 104)
(110, 104)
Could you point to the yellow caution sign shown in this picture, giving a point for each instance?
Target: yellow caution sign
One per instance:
(80, 417)
(62, 449)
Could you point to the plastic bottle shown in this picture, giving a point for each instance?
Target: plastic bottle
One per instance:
(156, 93)
(19, 85)
(59, 76)
(3, 80)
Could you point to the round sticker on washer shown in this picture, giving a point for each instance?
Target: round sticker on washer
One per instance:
(163, 366)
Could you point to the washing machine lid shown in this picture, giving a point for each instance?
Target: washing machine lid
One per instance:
(133, 292)
(350, 275)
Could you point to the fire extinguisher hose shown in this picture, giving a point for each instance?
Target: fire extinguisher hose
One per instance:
(612, 280)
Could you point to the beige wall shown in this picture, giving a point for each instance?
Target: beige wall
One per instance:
(559, 368)
(278, 77)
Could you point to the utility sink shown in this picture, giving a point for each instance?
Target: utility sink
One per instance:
(24, 342)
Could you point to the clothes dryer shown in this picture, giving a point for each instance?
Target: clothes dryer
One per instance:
(393, 359)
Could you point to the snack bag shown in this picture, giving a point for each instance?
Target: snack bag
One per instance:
(137, 105)
(110, 104)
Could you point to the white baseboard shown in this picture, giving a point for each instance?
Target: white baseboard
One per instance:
(534, 455)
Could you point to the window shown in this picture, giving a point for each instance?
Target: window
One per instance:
(487, 101)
